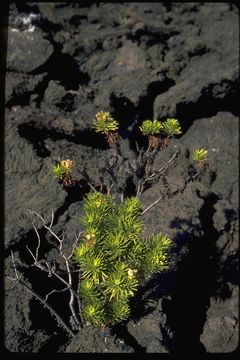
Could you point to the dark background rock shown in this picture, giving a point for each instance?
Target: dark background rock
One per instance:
(65, 62)
(220, 332)
(27, 50)
(92, 340)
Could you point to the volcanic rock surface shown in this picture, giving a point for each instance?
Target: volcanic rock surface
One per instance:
(64, 63)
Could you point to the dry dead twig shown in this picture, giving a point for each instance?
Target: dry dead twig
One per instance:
(51, 270)
(19, 281)
(154, 176)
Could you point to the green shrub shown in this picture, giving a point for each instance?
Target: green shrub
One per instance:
(111, 253)
(114, 257)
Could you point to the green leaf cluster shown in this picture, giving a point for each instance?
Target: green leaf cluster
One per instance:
(58, 171)
(104, 122)
(199, 155)
(113, 257)
(169, 127)
(158, 254)
(151, 127)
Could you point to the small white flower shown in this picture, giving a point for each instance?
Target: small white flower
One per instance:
(131, 272)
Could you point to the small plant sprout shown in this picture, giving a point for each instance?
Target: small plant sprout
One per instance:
(62, 172)
(170, 128)
(201, 158)
(113, 265)
(107, 125)
(151, 128)
(199, 155)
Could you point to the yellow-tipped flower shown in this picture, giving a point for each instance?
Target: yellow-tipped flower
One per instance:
(104, 122)
(67, 164)
(63, 168)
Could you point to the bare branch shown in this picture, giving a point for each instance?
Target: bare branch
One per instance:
(36, 262)
(75, 244)
(92, 187)
(52, 218)
(109, 189)
(78, 236)
(71, 301)
(49, 307)
(38, 246)
(14, 265)
(14, 285)
(45, 226)
(168, 163)
(19, 281)
(55, 291)
(51, 270)
(168, 193)
(154, 175)
(150, 206)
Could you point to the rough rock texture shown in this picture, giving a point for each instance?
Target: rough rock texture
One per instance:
(148, 331)
(27, 51)
(65, 62)
(220, 332)
(97, 340)
(208, 63)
